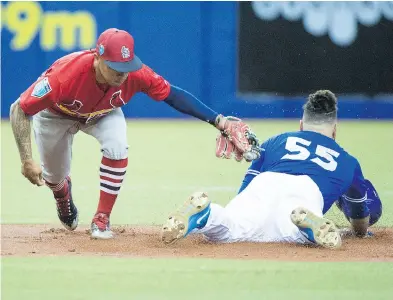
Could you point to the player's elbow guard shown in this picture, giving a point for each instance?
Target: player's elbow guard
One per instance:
(360, 226)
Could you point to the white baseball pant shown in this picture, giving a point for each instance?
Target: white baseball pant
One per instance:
(261, 212)
(54, 135)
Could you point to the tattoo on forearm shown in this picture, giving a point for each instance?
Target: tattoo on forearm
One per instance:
(22, 131)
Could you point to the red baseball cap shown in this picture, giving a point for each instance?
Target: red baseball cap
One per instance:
(116, 47)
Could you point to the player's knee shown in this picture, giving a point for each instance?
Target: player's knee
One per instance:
(115, 150)
(54, 177)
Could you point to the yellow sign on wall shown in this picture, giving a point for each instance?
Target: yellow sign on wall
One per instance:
(55, 29)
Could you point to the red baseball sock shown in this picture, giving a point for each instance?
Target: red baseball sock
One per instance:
(59, 189)
(112, 173)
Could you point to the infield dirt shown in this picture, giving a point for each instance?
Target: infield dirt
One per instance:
(144, 241)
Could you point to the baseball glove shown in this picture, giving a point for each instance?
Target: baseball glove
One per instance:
(236, 138)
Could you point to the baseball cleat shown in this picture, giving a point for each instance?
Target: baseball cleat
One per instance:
(100, 227)
(193, 214)
(66, 209)
(317, 229)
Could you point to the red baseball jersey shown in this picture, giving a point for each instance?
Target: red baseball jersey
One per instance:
(69, 88)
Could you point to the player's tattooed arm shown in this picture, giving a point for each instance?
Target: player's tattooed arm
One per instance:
(22, 131)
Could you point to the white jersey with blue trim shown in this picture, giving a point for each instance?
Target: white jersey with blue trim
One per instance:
(312, 154)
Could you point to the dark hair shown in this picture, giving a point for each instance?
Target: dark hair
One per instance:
(320, 107)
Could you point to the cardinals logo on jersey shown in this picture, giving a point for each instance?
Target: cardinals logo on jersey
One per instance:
(74, 106)
(116, 100)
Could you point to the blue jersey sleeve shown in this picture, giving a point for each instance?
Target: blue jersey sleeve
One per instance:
(373, 202)
(254, 169)
(356, 196)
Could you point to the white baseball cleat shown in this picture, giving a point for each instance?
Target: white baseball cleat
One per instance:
(317, 229)
(194, 213)
(100, 227)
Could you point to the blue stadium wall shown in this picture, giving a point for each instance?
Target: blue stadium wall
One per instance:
(194, 45)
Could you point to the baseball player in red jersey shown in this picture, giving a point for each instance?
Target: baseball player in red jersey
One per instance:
(84, 91)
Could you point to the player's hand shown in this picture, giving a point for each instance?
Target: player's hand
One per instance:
(349, 233)
(33, 172)
(255, 151)
(234, 131)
